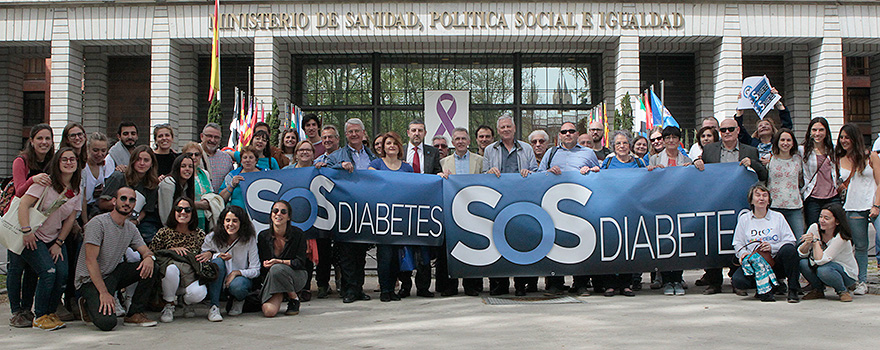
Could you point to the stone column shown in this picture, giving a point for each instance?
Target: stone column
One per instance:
(826, 74)
(95, 90)
(164, 71)
(728, 64)
(11, 100)
(188, 97)
(271, 71)
(797, 86)
(626, 69)
(66, 95)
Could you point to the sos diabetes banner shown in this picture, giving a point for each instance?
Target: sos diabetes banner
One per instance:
(613, 221)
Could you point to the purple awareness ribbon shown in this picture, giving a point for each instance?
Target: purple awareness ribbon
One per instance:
(446, 115)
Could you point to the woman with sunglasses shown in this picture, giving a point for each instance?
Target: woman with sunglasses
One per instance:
(260, 143)
(233, 247)
(183, 236)
(45, 251)
(387, 259)
(163, 135)
(820, 180)
(859, 176)
(74, 136)
(202, 180)
(142, 176)
(827, 257)
(657, 144)
(282, 248)
(179, 183)
(230, 190)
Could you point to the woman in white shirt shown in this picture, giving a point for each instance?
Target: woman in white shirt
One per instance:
(827, 254)
(233, 247)
(859, 176)
(95, 172)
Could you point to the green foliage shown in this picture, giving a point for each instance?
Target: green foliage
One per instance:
(215, 113)
(274, 123)
(623, 117)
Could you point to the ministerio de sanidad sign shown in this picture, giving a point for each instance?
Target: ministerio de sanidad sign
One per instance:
(482, 20)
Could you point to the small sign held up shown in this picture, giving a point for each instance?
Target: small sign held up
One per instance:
(756, 94)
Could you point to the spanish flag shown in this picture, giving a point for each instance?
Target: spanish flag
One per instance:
(215, 53)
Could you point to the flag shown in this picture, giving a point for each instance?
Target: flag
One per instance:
(659, 114)
(640, 120)
(215, 54)
(649, 120)
(605, 124)
(234, 125)
(296, 116)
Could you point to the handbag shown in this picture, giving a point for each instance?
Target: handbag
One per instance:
(841, 190)
(10, 229)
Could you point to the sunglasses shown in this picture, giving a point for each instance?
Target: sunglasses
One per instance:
(282, 211)
(658, 138)
(568, 131)
(727, 129)
(440, 145)
(536, 141)
(193, 154)
(128, 199)
(180, 209)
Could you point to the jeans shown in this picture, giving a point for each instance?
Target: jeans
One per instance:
(125, 274)
(831, 274)
(149, 226)
(51, 277)
(858, 225)
(387, 266)
(21, 282)
(238, 288)
(787, 261)
(813, 206)
(795, 219)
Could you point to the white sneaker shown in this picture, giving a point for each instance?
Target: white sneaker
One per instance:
(861, 289)
(167, 313)
(237, 305)
(214, 314)
(120, 310)
(188, 311)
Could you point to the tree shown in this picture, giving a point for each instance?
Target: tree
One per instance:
(215, 113)
(274, 123)
(623, 117)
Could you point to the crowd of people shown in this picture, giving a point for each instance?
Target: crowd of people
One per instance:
(130, 228)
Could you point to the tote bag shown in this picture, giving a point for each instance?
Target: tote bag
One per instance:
(10, 229)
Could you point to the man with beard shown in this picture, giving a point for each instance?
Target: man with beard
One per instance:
(597, 132)
(127, 136)
(102, 270)
(217, 163)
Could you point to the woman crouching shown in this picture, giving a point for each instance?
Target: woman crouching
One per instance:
(282, 250)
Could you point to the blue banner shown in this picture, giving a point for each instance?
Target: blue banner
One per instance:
(613, 221)
(365, 206)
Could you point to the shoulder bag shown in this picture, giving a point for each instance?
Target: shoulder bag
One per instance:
(10, 230)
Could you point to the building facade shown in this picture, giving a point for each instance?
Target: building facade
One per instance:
(101, 62)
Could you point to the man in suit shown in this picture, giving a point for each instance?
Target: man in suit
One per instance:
(461, 161)
(424, 159)
(729, 149)
(509, 155)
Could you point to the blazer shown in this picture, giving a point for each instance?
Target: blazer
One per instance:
(432, 158)
(712, 154)
(475, 161)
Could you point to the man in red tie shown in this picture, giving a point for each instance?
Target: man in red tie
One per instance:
(424, 159)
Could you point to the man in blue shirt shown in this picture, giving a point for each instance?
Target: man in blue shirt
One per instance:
(568, 156)
(352, 256)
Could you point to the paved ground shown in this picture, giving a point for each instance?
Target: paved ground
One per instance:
(647, 320)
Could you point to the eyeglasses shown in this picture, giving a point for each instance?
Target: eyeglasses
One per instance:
(180, 209)
(76, 135)
(536, 141)
(571, 131)
(194, 154)
(440, 145)
(595, 129)
(128, 199)
(277, 210)
(68, 159)
(727, 129)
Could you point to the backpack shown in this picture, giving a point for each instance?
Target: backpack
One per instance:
(6, 196)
